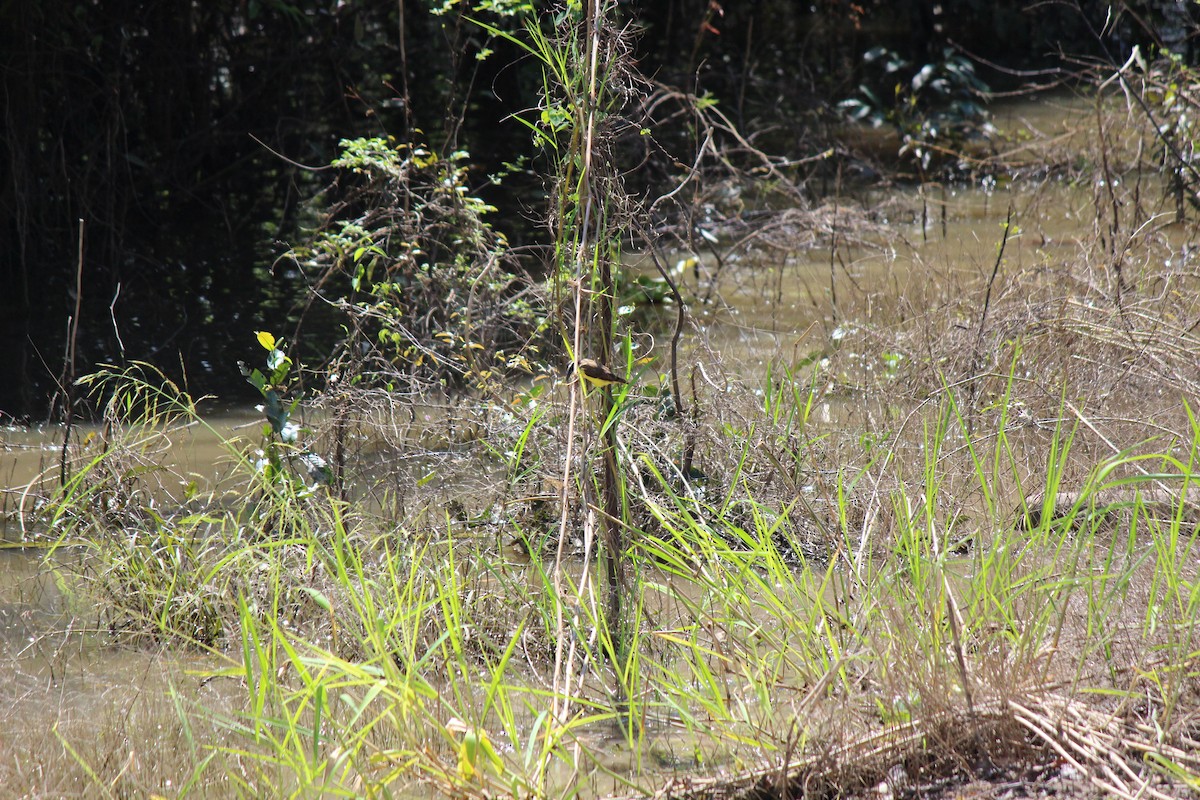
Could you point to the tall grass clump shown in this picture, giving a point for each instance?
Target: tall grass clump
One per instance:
(580, 630)
(961, 634)
(144, 559)
(165, 552)
(961, 628)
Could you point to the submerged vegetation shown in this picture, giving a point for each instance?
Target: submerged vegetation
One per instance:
(947, 533)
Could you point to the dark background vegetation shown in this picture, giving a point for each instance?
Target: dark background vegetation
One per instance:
(176, 131)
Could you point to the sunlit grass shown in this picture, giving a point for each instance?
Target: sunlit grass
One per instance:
(373, 658)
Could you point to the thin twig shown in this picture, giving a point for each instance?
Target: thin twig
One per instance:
(977, 353)
(68, 379)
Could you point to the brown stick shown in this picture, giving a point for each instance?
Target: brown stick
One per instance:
(680, 316)
(67, 381)
(977, 354)
(1158, 498)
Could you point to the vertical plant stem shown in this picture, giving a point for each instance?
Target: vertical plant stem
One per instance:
(977, 355)
(341, 416)
(610, 483)
(562, 666)
(924, 205)
(1116, 251)
(987, 297)
(405, 95)
(68, 377)
(945, 205)
(689, 437)
(833, 242)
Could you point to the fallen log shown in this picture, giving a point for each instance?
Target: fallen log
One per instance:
(1156, 498)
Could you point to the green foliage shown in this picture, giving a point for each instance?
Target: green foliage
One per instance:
(165, 559)
(281, 451)
(149, 572)
(1170, 86)
(431, 293)
(368, 656)
(154, 581)
(930, 104)
(499, 8)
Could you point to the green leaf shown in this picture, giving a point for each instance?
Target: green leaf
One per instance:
(318, 597)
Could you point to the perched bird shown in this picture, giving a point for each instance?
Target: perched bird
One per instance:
(597, 375)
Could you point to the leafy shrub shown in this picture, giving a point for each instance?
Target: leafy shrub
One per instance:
(935, 102)
(432, 293)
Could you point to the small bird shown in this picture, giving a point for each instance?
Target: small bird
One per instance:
(597, 375)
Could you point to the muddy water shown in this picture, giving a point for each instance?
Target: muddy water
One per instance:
(775, 306)
(66, 681)
(30, 458)
(780, 303)
(791, 311)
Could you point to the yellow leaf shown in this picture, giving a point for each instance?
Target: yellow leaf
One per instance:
(476, 752)
(265, 339)
(466, 760)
